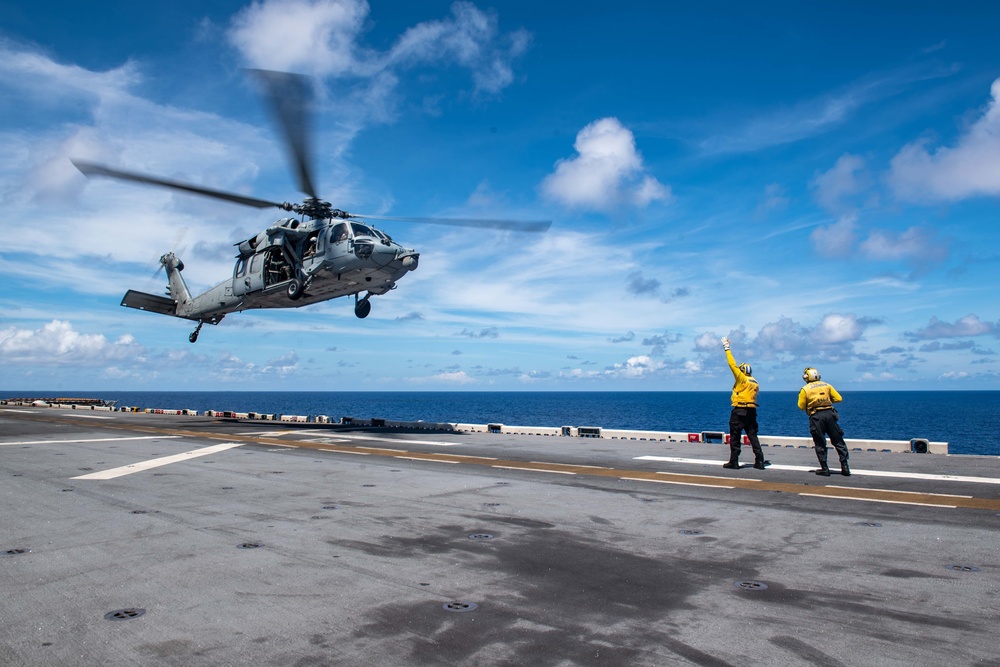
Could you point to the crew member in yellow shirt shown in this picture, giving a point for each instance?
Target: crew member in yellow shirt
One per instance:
(817, 399)
(744, 414)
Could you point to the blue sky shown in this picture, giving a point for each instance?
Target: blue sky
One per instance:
(818, 181)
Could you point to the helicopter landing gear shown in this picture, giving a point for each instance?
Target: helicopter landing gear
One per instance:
(194, 334)
(295, 289)
(362, 306)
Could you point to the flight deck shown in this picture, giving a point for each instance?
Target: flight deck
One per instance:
(135, 538)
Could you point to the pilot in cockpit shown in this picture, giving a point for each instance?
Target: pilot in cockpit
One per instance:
(340, 233)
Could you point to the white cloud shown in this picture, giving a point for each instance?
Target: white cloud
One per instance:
(606, 173)
(690, 367)
(707, 341)
(831, 339)
(52, 83)
(844, 180)
(58, 343)
(121, 374)
(470, 38)
(970, 325)
(881, 377)
(969, 168)
(835, 329)
(916, 245)
(539, 280)
(323, 38)
(775, 199)
(836, 240)
(306, 36)
(580, 374)
(635, 367)
(782, 126)
(283, 366)
(632, 369)
(455, 377)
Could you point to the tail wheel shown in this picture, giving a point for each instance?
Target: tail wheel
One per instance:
(295, 289)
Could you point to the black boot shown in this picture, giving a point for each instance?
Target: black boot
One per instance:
(759, 463)
(733, 464)
(824, 470)
(845, 470)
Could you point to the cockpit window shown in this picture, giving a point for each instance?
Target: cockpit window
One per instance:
(339, 232)
(382, 235)
(362, 230)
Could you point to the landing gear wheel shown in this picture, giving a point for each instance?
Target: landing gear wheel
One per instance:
(295, 289)
(362, 308)
(193, 337)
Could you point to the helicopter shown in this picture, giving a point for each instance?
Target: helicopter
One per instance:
(318, 254)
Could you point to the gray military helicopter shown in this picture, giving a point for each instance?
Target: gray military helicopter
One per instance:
(319, 254)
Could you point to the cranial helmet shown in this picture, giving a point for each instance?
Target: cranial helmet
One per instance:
(810, 375)
(745, 367)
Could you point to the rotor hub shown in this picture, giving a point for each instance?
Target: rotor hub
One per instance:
(314, 208)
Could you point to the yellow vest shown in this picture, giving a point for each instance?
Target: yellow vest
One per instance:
(745, 388)
(817, 396)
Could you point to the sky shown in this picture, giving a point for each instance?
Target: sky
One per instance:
(820, 182)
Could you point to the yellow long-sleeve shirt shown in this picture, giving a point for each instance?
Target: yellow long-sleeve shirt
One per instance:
(745, 388)
(817, 396)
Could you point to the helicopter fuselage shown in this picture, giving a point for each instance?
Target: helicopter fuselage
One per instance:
(291, 264)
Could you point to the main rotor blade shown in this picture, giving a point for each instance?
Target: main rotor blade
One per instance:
(516, 225)
(289, 96)
(92, 169)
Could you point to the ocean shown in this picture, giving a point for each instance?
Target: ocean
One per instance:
(964, 419)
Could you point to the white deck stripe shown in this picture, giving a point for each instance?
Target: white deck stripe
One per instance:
(418, 458)
(162, 461)
(670, 481)
(876, 500)
(728, 479)
(66, 442)
(912, 493)
(70, 414)
(398, 441)
(854, 471)
(557, 472)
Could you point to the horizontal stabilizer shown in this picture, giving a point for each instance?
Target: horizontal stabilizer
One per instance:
(150, 302)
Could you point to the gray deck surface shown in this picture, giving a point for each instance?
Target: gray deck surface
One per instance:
(534, 556)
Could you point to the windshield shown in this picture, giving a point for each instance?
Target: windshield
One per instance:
(363, 230)
(339, 233)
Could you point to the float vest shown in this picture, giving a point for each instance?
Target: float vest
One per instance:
(745, 388)
(817, 396)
